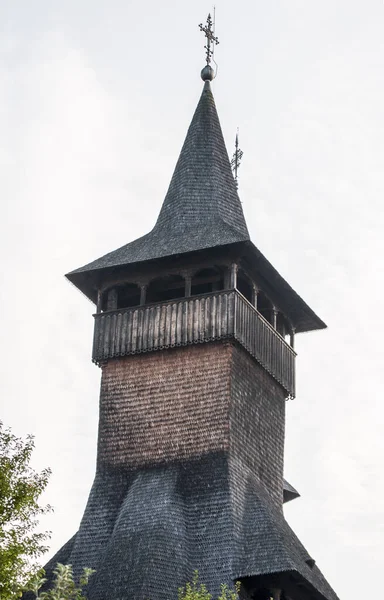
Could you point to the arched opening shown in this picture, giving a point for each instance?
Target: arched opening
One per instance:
(244, 285)
(262, 594)
(128, 295)
(121, 296)
(165, 288)
(207, 280)
(265, 307)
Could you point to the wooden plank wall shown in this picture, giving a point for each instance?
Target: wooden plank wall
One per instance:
(185, 321)
(264, 343)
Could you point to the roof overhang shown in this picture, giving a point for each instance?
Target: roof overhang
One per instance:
(283, 296)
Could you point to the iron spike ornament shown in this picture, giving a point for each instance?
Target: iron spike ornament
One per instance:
(212, 40)
(236, 159)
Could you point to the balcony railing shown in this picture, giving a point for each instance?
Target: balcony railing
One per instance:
(185, 321)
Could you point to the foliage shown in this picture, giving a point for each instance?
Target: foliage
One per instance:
(64, 587)
(227, 594)
(20, 489)
(198, 591)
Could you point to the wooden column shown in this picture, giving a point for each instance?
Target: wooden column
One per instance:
(233, 276)
(188, 285)
(99, 301)
(255, 293)
(112, 299)
(143, 294)
(292, 337)
(275, 312)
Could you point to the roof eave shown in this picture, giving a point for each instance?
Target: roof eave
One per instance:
(303, 318)
(309, 320)
(87, 280)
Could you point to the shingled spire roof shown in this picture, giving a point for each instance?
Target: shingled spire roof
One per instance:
(201, 209)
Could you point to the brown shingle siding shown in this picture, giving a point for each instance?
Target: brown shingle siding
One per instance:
(164, 406)
(187, 402)
(257, 422)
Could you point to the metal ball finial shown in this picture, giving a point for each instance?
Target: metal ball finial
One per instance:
(207, 73)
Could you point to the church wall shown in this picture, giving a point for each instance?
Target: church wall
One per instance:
(164, 406)
(257, 423)
(185, 402)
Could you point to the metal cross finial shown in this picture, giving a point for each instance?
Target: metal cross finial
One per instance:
(211, 39)
(236, 159)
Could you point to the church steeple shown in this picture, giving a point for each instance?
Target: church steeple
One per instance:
(201, 212)
(202, 201)
(194, 333)
(201, 208)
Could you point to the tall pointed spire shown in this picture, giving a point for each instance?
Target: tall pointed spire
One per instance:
(202, 192)
(201, 208)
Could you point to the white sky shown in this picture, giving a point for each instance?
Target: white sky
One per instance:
(96, 97)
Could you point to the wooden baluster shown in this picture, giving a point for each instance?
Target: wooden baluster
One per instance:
(233, 276)
(99, 301)
(292, 338)
(255, 293)
(275, 312)
(143, 294)
(188, 286)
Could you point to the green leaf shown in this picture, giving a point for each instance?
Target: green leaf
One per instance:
(20, 488)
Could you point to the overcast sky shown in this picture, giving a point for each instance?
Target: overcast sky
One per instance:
(96, 98)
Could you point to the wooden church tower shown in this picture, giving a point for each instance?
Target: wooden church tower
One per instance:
(194, 332)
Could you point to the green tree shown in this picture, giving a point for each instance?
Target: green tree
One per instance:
(198, 591)
(20, 488)
(63, 585)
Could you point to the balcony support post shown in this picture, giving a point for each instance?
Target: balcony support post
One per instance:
(233, 276)
(99, 301)
(292, 338)
(255, 293)
(143, 294)
(188, 286)
(275, 312)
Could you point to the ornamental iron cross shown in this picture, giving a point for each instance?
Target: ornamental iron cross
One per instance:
(237, 156)
(211, 39)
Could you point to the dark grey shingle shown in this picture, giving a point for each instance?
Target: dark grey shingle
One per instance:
(145, 531)
(289, 492)
(201, 209)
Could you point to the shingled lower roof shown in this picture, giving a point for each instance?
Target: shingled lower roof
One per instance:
(199, 514)
(201, 209)
(269, 545)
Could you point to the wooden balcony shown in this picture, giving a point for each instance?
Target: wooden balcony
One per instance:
(209, 317)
